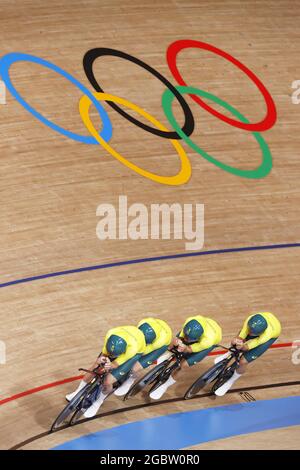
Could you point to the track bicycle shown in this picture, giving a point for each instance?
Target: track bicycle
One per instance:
(219, 373)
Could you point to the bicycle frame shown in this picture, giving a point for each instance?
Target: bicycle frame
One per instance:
(94, 371)
(235, 355)
(76, 404)
(172, 364)
(215, 372)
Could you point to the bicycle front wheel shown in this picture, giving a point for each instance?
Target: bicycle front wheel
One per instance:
(74, 404)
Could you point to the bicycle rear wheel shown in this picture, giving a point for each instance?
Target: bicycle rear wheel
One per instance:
(227, 374)
(147, 379)
(75, 417)
(195, 388)
(163, 377)
(208, 377)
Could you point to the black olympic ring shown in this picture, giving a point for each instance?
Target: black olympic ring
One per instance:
(93, 54)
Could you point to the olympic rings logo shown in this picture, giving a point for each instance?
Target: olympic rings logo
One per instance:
(157, 127)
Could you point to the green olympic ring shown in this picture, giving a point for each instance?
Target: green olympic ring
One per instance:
(266, 164)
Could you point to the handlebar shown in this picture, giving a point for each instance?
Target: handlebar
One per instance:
(94, 372)
(230, 348)
(177, 355)
(233, 350)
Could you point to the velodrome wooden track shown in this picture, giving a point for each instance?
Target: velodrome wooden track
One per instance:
(51, 187)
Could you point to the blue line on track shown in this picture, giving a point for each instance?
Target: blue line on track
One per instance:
(148, 260)
(180, 430)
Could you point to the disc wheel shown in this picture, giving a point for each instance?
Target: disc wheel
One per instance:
(163, 377)
(195, 388)
(208, 377)
(228, 373)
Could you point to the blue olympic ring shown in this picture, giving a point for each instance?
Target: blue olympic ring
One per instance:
(7, 60)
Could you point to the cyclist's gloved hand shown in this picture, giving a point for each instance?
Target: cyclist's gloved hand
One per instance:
(107, 365)
(238, 343)
(102, 360)
(181, 347)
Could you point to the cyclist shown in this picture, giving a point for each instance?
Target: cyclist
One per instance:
(258, 333)
(158, 336)
(198, 337)
(123, 347)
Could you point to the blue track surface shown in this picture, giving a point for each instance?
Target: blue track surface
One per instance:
(181, 430)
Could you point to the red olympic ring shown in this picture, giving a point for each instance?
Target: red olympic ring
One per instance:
(271, 115)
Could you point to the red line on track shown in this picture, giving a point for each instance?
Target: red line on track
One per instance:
(39, 389)
(78, 377)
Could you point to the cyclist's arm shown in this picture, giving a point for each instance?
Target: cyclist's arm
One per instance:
(177, 343)
(114, 364)
(245, 329)
(102, 358)
(242, 335)
(253, 343)
(238, 342)
(204, 343)
(149, 348)
(174, 341)
(130, 352)
(244, 347)
(104, 350)
(161, 341)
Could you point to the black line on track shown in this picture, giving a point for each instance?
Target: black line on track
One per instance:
(148, 405)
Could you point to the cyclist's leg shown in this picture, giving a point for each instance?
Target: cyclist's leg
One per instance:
(142, 363)
(248, 356)
(194, 358)
(104, 392)
(115, 375)
(121, 372)
(148, 359)
(86, 378)
(189, 360)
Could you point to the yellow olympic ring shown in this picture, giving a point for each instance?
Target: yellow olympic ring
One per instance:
(185, 172)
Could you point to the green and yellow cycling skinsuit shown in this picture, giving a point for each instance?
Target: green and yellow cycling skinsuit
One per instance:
(160, 344)
(259, 344)
(136, 346)
(210, 338)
